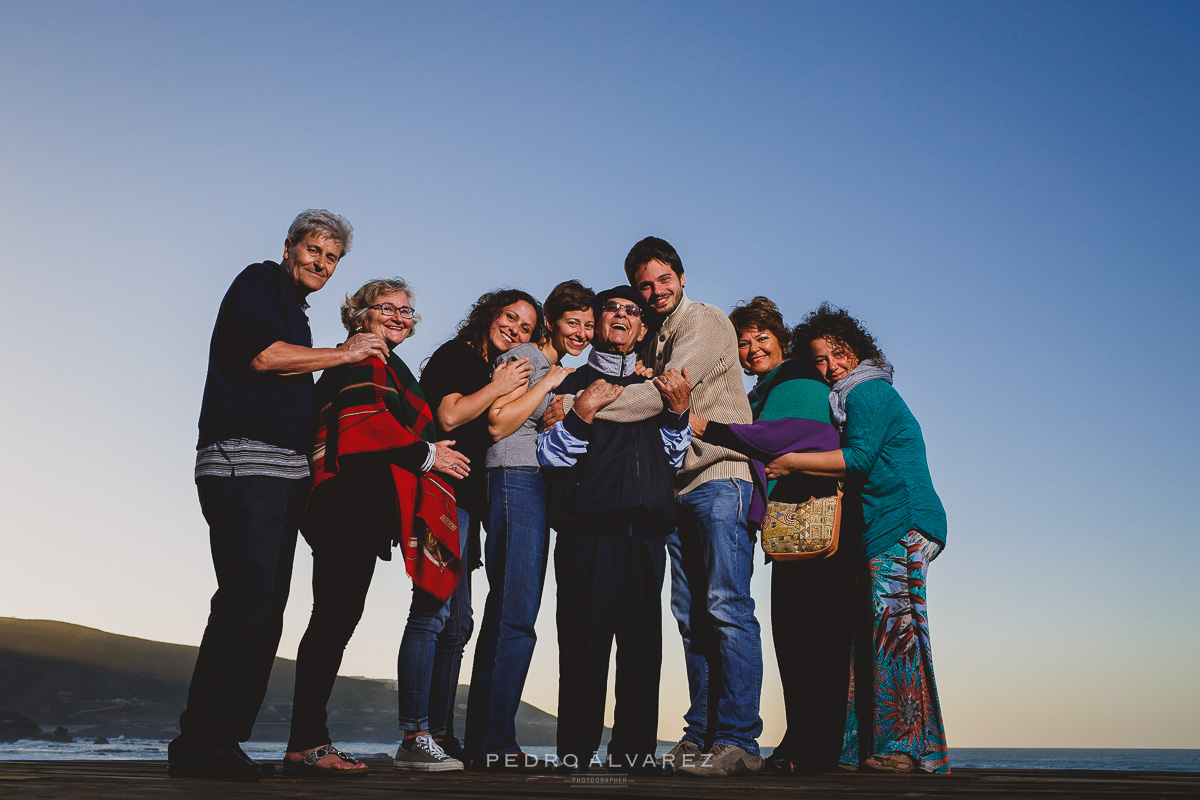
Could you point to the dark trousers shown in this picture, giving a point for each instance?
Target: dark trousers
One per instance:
(252, 523)
(342, 569)
(608, 586)
(812, 623)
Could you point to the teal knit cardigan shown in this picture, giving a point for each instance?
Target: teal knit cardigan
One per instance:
(884, 450)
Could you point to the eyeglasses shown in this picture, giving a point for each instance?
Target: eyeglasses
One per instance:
(389, 310)
(612, 307)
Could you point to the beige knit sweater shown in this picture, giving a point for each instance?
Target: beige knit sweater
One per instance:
(701, 338)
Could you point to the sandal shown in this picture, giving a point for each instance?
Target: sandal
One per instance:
(307, 765)
(899, 763)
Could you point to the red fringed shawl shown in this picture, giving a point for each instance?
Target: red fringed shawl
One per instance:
(373, 407)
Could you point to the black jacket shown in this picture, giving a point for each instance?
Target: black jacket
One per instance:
(624, 484)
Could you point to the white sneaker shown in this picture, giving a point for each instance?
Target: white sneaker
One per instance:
(423, 753)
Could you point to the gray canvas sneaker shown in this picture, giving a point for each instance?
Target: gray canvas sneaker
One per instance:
(724, 761)
(424, 754)
(685, 753)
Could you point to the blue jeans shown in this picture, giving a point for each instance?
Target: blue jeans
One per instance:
(515, 556)
(431, 651)
(711, 554)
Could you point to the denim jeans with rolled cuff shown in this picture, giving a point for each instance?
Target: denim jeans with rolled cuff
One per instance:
(711, 552)
(431, 651)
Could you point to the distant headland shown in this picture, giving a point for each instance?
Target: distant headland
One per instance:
(63, 681)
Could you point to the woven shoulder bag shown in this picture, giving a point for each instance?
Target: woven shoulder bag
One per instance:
(800, 531)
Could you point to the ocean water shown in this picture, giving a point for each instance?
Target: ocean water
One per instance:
(1075, 758)
(971, 757)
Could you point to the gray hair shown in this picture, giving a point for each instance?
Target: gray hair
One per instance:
(319, 220)
(354, 310)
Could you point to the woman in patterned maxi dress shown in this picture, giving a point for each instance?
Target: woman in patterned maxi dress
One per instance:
(893, 720)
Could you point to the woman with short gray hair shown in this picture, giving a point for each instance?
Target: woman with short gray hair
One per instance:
(357, 307)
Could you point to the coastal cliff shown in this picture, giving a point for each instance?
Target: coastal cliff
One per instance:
(93, 683)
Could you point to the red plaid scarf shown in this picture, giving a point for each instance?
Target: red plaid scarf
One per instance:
(373, 407)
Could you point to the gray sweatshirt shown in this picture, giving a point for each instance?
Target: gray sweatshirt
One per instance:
(519, 449)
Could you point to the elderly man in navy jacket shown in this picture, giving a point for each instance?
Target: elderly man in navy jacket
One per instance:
(611, 498)
(257, 422)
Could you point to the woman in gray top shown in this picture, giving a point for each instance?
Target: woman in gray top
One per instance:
(517, 534)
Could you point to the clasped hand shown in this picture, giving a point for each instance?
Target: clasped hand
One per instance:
(676, 389)
(364, 345)
(784, 465)
(512, 375)
(595, 397)
(450, 462)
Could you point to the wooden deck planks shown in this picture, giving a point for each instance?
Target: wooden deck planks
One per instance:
(134, 780)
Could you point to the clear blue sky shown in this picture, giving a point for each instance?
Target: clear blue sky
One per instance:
(1007, 193)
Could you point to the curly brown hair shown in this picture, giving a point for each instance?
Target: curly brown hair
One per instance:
(474, 329)
(838, 326)
(762, 313)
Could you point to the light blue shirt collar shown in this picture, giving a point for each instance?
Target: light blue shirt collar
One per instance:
(613, 363)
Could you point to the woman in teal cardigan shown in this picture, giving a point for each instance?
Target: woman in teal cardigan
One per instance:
(883, 458)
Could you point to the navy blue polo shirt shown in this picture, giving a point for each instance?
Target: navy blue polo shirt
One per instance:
(257, 311)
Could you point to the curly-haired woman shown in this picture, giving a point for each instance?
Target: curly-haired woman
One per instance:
(460, 385)
(790, 403)
(896, 725)
(518, 537)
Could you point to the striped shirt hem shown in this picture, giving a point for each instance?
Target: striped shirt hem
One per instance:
(234, 458)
